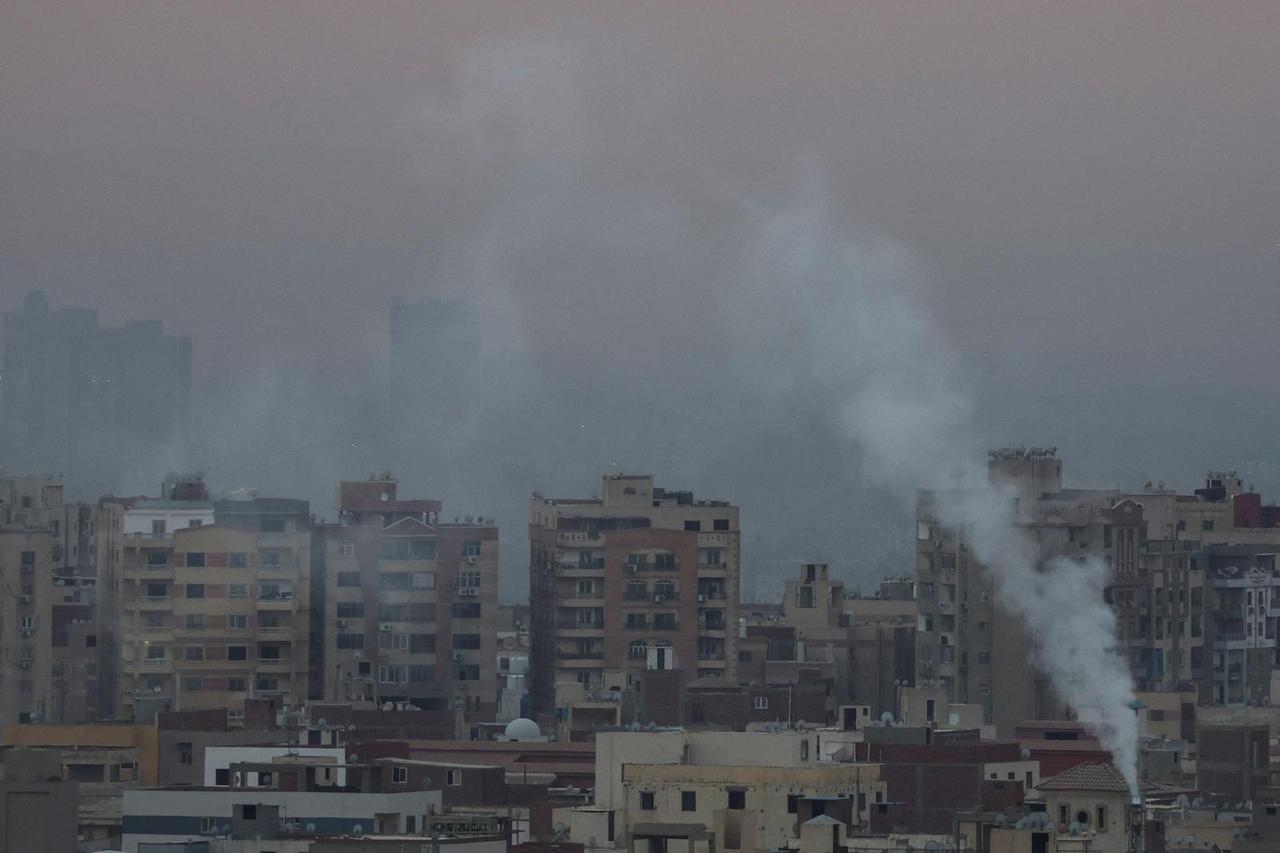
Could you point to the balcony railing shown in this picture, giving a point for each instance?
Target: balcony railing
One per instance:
(574, 624)
(579, 655)
(275, 629)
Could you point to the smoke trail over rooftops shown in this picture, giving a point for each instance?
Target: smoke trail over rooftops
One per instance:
(901, 397)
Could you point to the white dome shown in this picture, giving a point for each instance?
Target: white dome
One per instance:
(523, 728)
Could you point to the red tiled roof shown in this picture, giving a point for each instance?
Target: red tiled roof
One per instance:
(1086, 777)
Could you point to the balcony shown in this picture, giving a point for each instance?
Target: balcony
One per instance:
(579, 655)
(274, 663)
(276, 630)
(578, 625)
(282, 601)
(142, 600)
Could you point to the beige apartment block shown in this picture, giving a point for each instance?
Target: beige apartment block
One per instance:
(637, 579)
(217, 610)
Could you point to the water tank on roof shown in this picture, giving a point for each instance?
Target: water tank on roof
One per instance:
(522, 728)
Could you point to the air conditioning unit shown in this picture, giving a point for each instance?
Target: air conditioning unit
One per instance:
(385, 626)
(457, 657)
(631, 568)
(26, 632)
(24, 664)
(702, 599)
(25, 599)
(659, 598)
(473, 591)
(471, 559)
(342, 623)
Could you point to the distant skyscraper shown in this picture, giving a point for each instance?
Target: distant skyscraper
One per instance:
(89, 401)
(435, 351)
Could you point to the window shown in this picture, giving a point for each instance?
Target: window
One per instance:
(193, 653)
(400, 775)
(157, 558)
(720, 524)
(193, 685)
(157, 527)
(238, 685)
(268, 653)
(422, 549)
(346, 549)
(453, 777)
(351, 641)
(466, 610)
(737, 798)
(238, 560)
(586, 588)
(984, 657)
(237, 621)
(195, 621)
(411, 824)
(222, 777)
(185, 755)
(90, 641)
(195, 560)
(237, 590)
(393, 580)
(422, 642)
(155, 652)
(793, 803)
(393, 674)
(1207, 524)
(195, 590)
(471, 549)
(688, 801)
(804, 750)
(350, 609)
(693, 525)
(348, 579)
(237, 652)
(271, 525)
(249, 812)
(1102, 819)
(421, 673)
(646, 801)
(466, 641)
(423, 580)
(760, 703)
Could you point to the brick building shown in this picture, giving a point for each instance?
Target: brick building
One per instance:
(639, 579)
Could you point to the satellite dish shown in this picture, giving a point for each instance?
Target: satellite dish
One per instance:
(321, 722)
(311, 828)
(357, 829)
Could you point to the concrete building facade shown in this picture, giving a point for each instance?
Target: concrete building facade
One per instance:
(215, 608)
(639, 579)
(409, 603)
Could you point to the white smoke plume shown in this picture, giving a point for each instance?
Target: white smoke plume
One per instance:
(870, 342)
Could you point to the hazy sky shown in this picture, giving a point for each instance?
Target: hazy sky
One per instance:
(1088, 193)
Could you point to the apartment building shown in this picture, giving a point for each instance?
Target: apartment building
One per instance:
(30, 517)
(216, 602)
(635, 580)
(409, 603)
(968, 645)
